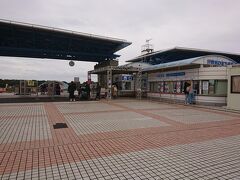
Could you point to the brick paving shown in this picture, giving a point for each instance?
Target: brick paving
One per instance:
(118, 139)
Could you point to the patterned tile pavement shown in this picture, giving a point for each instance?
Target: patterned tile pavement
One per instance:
(78, 107)
(110, 121)
(22, 110)
(24, 129)
(191, 116)
(118, 139)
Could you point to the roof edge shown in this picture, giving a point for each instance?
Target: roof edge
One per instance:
(189, 61)
(149, 54)
(205, 50)
(65, 31)
(136, 59)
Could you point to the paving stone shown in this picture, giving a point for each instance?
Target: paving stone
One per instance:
(104, 122)
(192, 116)
(122, 139)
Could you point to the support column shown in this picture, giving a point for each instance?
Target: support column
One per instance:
(89, 78)
(139, 84)
(200, 87)
(50, 90)
(109, 83)
(99, 78)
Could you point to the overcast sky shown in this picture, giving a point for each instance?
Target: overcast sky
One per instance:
(205, 24)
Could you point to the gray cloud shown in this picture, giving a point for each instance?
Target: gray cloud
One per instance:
(206, 24)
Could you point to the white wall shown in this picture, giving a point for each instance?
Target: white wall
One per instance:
(233, 99)
(199, 99)
(204, 73)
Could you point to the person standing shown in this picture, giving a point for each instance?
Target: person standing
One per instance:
(71, 88)
(186, 92)
(98, 89)
(88, 91)
(114, 91)
(57, 89)
(191, 93)
(80, 92)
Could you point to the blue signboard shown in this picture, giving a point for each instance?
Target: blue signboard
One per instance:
(160, 75)
(219, 63)
(127, 78)
(175, 74)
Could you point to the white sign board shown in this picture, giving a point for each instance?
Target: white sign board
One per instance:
(76, 79)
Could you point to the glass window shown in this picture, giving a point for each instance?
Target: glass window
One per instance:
(166, 87)
(153, 86)
(162, 87)
(182, 86)
(126, 86)
(221, 87)
(144, 84)
(178, 87)
(196, 87)
(156, 87)
(170, 86)
(174, 87)
(205, 87)
(211, 87)
(217, 87)
(235, 84)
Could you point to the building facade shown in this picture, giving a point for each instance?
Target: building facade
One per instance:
(208, 75)
(233, 99)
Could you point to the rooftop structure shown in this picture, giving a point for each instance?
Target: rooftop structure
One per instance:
(34, 41)
(210, 60)
(180, 53)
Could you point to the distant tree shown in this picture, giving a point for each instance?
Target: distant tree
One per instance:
(2, 84)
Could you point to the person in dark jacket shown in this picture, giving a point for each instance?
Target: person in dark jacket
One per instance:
(186, 92)
(71, 88)
(57, 89)
(98, 91)
(88, 91)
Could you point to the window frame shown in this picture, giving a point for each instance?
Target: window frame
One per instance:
(234, 92)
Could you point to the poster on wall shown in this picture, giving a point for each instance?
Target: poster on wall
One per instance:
(162, 87)
(205, 86)
(235, 84)
(166, 88)
(178, 87)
